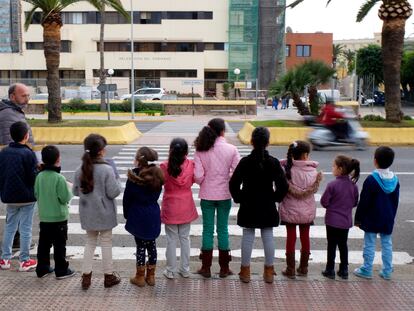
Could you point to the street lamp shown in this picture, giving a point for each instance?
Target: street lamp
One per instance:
(132, 65)
(236, 71)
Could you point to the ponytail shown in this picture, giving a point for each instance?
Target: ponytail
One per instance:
(93, 145)
(260, 140)
(355, 170)
(295, 152)
(208, 134)
(349, 166)
(177, 155)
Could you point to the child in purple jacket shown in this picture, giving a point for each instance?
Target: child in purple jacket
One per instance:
(339, 198)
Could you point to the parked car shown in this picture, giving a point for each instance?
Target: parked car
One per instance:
(149, 93)
(40, 96)
(379, 98)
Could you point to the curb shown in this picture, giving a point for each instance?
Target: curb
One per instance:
(115, 135)
(377, 136)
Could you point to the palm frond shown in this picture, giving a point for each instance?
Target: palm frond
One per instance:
(365, 8)
(29, 17)
(115, 4)
(294, 3)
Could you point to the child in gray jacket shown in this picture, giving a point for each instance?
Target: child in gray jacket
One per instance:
(97, 187)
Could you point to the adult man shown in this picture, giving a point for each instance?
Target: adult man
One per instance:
(11, 111)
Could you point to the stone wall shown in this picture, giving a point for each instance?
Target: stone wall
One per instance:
(176, 109)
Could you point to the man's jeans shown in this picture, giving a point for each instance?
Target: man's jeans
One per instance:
(18, 217)
(369, 252)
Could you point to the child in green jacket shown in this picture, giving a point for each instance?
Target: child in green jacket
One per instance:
(53, 196)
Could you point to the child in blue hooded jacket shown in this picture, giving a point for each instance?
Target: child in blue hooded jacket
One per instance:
(376, 212)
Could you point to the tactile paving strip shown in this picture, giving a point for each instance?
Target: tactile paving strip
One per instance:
(30, 293)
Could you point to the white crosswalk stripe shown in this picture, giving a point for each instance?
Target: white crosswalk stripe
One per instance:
(124, 161)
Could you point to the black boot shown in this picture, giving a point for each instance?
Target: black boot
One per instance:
(206, 261)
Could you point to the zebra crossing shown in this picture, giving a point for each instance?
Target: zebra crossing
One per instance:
(124, 246)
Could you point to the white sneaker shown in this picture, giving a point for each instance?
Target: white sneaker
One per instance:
(168, 274)
(184, 274)
(5, 264)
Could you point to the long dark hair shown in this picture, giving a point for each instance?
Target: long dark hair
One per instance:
(260, 140)
(295, 152)
(93, 144)
(348, 166)
(208, 134)
(149, 175)
(178, 152)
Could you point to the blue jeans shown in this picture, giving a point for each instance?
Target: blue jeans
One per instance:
(18, 217)
(369, 252)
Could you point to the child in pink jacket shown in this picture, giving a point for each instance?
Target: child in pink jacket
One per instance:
(299, 206)
(178, 208)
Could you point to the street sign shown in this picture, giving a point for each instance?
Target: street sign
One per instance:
(106, 88)
(193, 82)
(240, 85)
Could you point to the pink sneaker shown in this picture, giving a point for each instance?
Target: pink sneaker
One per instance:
(5, 264)
(28, 265)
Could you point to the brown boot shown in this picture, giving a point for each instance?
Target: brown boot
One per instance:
(206, 260)
(303, 265)
(139, 278)
(86, 280)
(268, 274)
(150, 276)
(111, 279)
(244, 274)
(224, 259)
(290, 266)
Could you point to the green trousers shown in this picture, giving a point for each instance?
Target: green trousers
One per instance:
(208, 209)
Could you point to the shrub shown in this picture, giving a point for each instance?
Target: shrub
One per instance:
(408, 118)
(373, 117)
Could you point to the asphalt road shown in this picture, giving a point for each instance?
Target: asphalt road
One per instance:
(404, 227)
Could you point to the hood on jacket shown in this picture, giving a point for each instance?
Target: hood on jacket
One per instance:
(6, 104)
(301, 163)
(151, 176)
(387, 180)
(186, 175)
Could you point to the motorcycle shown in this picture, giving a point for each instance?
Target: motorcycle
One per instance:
(322, 137)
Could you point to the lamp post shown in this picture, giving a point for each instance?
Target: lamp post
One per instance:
(132, 64)
(236, 71)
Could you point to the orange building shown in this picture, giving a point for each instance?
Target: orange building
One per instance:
(301, 47)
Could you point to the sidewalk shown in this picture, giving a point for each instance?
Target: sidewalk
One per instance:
(24, 291)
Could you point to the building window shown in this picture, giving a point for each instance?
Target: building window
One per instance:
(303, 50)
(65, 46)
(287, 51)
(181, 73)
(214, 46)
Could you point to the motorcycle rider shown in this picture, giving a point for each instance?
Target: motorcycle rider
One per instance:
(334, 120)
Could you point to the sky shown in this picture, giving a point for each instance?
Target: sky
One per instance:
(339, 17)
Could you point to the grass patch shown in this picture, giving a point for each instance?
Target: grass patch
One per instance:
(364, 123)
(278, 123)
(76, 123)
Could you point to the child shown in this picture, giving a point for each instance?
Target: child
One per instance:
(53, 196)
(97, 188)
(178, 207)
(299, 206)
(214, 162)
(376, 213)
(18, 171)
(263, 184)
(339, 198)
(142, 212)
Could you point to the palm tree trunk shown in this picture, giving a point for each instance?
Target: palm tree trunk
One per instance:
(51, 39)
(313, 100)
(392, 48)
(302, 109)
(102, 73)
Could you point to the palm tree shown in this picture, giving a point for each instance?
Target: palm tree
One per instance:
(350, 59)
(51, 22)
(394, 14)
(337, 49)
(308, 74)
(100, 6)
